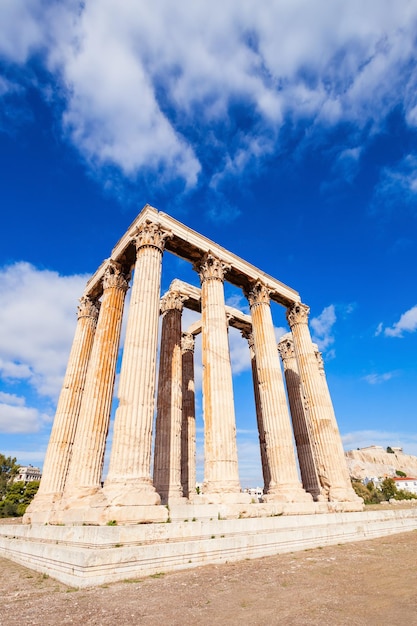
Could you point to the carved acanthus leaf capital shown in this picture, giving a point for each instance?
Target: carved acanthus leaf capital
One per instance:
(172, 300)
(88, 307)
(211, 267)
(187, 342)
(286, 347)
(153, 235)
(258, 294)
(298, 314)
(114, 277)
(249, 338)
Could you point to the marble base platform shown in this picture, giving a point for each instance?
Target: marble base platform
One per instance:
(84, 555)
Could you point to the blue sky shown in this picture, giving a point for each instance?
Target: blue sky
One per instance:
(287, 133)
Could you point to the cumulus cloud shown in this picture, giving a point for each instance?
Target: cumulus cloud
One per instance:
(17, 418)
(322, 326)
(37, 323)
(406, 324)
(145, 87)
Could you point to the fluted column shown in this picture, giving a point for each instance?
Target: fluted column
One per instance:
(300, 417)
(258, 407)
(188, 429)
(284, 485)
(221, 463)
(330, 458)
(167, 456)
(58, 454)
(86, 466)
(129, 479)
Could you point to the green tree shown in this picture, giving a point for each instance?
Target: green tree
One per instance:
(8, 470)
(400, 473)
(18, 497)
(389, 488)
(390, 450)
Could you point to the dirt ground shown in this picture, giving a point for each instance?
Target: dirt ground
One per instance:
(365, 583)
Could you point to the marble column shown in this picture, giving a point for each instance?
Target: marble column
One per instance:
(129, 479)
(284, 485)
(167, 456)
(300, 417)
(330, 458)
(221, 477)
(188, 428)
(86, 466)
(59, 450)
(258, 407)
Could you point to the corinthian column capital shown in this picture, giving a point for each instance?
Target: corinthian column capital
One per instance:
(187, 342)
(172, 300)
(258, 293)
(115, 277)
(152, 235)
(249, 338)
(88, 307)
(286, 347)
(298, 314)
(211, 267)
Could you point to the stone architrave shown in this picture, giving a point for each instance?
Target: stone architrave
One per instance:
(284, 485)
(167, 456)
(300, 418)
(330, 458)
(258, 407)
(58, 454)
(221, 476)
(86, 466)
(188, 429)
(129, 479)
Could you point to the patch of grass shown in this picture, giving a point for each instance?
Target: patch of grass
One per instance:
(111, 522)
(72, 589)
(157, 575)
(133, 580)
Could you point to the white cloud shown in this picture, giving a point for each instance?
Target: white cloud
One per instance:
(406, 323)
(376, 379)
(379, 329)
(322, 326)
(37, 323)
(16, 418)
(397, 186)
(239, 351)
(364, 438)
(143, 85)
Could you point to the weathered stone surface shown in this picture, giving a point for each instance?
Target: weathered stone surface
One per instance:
(221, 475)
(376, 462)
(84, 556)
(75, 456)
(328, 450)
(284, 484)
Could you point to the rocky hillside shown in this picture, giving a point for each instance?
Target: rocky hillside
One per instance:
(375, 461)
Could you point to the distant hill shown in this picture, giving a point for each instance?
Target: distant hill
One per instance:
(375, 461)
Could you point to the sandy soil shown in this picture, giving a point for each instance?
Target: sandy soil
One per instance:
(365, 583)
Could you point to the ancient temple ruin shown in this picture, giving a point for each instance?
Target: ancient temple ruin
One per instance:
(152, 469)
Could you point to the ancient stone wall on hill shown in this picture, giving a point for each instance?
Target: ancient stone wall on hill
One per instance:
(376, 462)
